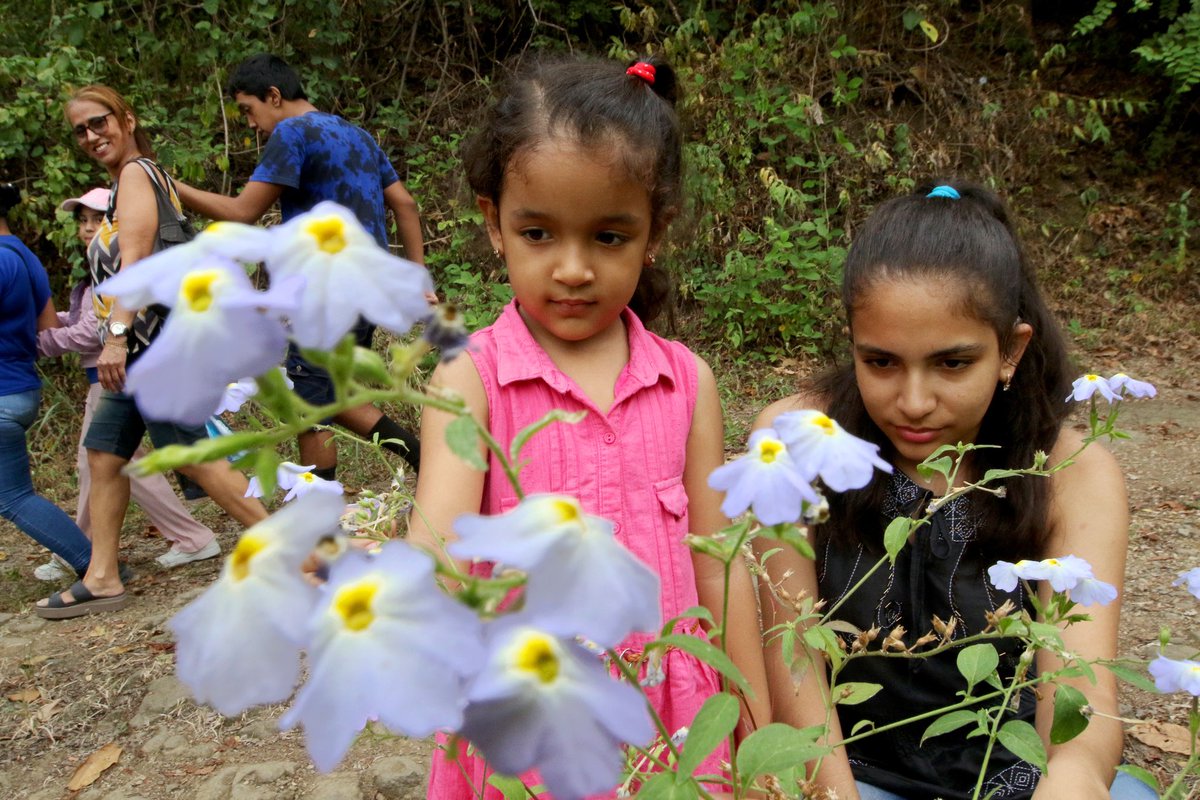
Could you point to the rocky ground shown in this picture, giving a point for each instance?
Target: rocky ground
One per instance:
(89, 708)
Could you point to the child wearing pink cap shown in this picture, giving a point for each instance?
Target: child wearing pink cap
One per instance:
(190, 541)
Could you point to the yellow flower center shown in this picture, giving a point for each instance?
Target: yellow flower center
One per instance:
(1053, 562)
(1092, 377)
(246, 549)
(565, 510)
(769, 450)
(330, 234)
(197, 288)
(307, 477)
(827, 426)
(538, 655)
(217, 227)
(353, 603)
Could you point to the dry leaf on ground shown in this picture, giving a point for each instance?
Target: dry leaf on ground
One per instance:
(25, 696)
(1163, 735)
(94, 766)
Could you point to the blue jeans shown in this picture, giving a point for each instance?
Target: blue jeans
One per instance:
(48, 524)
(1124, 787)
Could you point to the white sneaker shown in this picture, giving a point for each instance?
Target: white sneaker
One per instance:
(177, 558)
(53, 571)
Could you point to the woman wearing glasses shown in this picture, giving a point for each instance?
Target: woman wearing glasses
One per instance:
(141, 217)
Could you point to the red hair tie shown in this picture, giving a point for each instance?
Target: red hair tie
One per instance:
(642, 70)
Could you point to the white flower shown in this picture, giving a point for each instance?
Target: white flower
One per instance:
(822, 448)
(220, 329)
(297, 480)
(582, 581)
(347, 275)
(238, 392)
(1172, 675)
(1092, 592)
(1125, 386)
(1191, 580)
(386, 644)
(543, 701)
(238, 644)
(1063, 574)
(1083, 388)
(766, 480)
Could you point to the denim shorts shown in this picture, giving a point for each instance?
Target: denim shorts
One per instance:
(118, 426)
(312, 383)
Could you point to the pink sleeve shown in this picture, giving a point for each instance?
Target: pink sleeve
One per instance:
(80, 337)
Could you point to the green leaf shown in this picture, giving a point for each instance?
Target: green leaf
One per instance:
(940, 466)
(712, 724)
(896, 536)
(265, 464)
(1020, 739)
(663, 787)
(524, 435)
(1145, 776)
(949, 722)
(851, 694)
(1132, 676)
(775, 748)
(695, 612)
(709, 654)
(818, 637)
(511, 788)
(977, 662)
(462, 436)
(1068, 721)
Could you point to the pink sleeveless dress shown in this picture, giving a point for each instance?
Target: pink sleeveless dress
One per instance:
(626, 466)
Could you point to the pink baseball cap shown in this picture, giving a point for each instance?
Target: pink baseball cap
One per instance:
(95, 199)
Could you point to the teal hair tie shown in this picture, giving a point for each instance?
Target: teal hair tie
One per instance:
(948, 192)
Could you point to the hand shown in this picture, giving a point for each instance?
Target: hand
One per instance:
(111, 365)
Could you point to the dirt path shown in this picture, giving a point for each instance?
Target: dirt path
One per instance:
(70, 689)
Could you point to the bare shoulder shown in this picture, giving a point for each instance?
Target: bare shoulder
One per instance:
(794, 402)
(1089, 508)
(704, 375)
(1094, 463)
(459, 374)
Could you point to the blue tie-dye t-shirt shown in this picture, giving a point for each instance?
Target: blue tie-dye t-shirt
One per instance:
(318, 156)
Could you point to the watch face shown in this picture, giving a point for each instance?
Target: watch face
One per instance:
(118, 329)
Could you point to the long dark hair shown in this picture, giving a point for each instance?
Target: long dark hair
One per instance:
(597, 103)
(970, 243)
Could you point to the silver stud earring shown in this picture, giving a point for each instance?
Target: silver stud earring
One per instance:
(1008, 382)
(650, 257)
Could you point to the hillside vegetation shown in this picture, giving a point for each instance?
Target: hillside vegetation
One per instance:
(801, 116)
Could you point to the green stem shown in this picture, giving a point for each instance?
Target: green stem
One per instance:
(995, 729)
(1176, 790)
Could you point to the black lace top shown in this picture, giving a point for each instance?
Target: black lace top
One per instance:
(941, 572)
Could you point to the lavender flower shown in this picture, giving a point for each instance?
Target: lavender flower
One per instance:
(297, 480)
(238, 644)
(347, 275)
(1171, 675)
(386, 644)
(1064, 574)
(822, 448)
(220, 330)
(1125, 386)
(543, 701)
(1190, 579)
(582, 582)
(1083, 388)
(765, 480)
(238, 392)
(1092, 592)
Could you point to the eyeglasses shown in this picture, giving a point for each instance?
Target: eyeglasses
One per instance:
(96, 125)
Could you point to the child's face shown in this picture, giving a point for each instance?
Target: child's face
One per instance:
(89, 222)
(926, 370)
(574, 230)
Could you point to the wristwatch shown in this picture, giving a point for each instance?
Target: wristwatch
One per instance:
(117, 329)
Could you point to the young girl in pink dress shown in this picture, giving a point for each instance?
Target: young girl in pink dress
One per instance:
(577, 172)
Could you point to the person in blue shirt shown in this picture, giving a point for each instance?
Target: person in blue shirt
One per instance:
(25, 309)
(312, 156)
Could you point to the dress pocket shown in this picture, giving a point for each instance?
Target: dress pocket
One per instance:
(672, 496)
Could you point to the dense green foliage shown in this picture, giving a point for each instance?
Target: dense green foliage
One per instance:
(800, 116)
